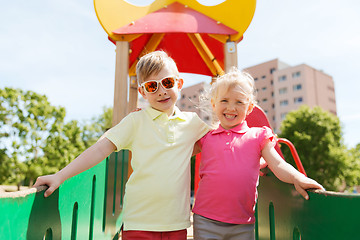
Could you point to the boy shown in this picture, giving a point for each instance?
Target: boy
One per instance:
(161, 138)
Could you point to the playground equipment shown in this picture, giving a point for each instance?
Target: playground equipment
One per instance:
(202, 40)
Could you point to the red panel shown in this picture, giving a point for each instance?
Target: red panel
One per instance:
(257, 118)
(175, 18)
(181, 49)
(136, 46)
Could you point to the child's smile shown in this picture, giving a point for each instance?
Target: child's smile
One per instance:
(230, 116)
(231, 108)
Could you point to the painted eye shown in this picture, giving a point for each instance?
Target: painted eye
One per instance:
(210, 2)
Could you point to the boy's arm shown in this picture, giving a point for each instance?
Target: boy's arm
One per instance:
(197, 148)
(287, 173)
(89, 158)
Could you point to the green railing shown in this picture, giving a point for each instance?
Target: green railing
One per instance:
(282, 214)
(87, 206)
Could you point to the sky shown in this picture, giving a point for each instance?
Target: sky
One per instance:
(58, 48)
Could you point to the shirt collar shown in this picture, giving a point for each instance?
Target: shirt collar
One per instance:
(241, 128)
(156, 113)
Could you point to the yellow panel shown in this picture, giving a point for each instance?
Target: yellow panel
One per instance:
(113, 14)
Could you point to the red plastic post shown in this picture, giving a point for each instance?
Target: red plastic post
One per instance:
(294, 154)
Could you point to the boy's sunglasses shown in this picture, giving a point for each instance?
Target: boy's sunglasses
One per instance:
(152, 86)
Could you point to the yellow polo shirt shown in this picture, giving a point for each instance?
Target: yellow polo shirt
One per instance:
(157, 194)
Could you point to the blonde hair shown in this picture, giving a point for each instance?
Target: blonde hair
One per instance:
(152, 63)
(235, 79)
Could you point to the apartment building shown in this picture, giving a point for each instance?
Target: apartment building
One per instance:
(281, 88)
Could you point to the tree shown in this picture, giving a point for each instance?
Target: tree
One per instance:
(317, 136)
(26, 118)
(32, 133)
(97, 126)
(35, 140)
(354, 162)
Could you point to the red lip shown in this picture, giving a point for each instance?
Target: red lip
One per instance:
(164, 100)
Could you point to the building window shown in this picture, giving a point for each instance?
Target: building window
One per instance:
(255, 79)
(272, 82)
(297, 87)
(272, 70)
(266, 112)
(273, 106)
(284, 103)
(183, 96)
(298, 100)
(296, 74)
(264, 100)
(283, 115)
(264, 89)
(283, 90)
(282, 78)
(263, 77)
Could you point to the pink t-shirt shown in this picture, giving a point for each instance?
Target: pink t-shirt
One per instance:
(229, 173)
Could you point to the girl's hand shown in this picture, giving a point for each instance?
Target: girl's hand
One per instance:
(301, 183)
(52, 181)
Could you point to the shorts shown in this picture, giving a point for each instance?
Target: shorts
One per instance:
(206, 228)
(149, 235)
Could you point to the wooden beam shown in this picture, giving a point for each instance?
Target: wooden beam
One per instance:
(208, 52)
(230, 53)
(121, 81)
(133, 94)
(202, 53)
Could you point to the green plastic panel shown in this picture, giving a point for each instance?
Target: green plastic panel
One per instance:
(87, 206)
(283, 214)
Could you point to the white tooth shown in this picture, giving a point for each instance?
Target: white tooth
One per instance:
(230, 116)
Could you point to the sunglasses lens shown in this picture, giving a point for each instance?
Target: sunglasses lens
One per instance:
(151, 86)
(168, 82)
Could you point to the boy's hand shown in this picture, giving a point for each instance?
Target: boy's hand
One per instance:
(52, 181)
(302, 183)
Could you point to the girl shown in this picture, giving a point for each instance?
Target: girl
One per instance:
(230, 164)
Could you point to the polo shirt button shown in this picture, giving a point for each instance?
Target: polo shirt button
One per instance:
(227, 143)
(228, 134)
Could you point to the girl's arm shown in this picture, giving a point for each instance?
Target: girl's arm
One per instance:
(287, 173)
(89, 158)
